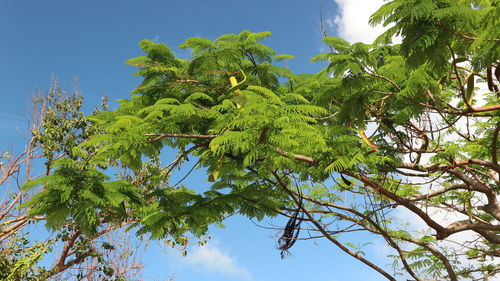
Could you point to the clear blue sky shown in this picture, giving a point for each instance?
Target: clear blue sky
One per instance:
(92, 39)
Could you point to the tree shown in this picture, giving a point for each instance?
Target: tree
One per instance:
(276, 143)
(56, 126)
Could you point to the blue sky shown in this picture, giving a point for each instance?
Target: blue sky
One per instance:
(92, 39)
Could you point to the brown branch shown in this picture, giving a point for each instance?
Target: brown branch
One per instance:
(447, 29)
(11, 230)
(492, 207)
(423, 151)
(437, 253)
(463, 211)
(455, 111)
(442, 167)
(384, 78)
(408, 174)
(12, 167)
(12, 204)
(351, 253)
(60, 265)
(485, 108)
(441, 232)
(406, 203)
(326, 117)
(278, 150)
(488, 235)
(481, 163)
(187, 81)
(185, 136)
(477, 178)
(296, 156)
(20, 221)
(329, 237)
(440, 191)
(378, 229)
(470, 225)
(178, 159)
(69, 264)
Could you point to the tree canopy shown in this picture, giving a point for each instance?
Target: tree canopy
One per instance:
(56, 126)
(399, 128)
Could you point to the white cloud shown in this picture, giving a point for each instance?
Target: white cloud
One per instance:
(212, 259)
(352, 23)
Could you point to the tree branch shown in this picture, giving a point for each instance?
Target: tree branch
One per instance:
(67, 247)
(447, 29)
(440, 191)
(185, 136)
(329, 237)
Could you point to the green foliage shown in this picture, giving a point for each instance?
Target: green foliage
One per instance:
(80, 194)
(431, 29)
(272, 145)
(19, 260)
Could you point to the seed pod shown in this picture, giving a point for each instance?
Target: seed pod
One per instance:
(367, 141)
(470, 89)
(345, 180)
(489, 78)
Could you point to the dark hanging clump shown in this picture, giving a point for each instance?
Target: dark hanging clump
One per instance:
(290, 233)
